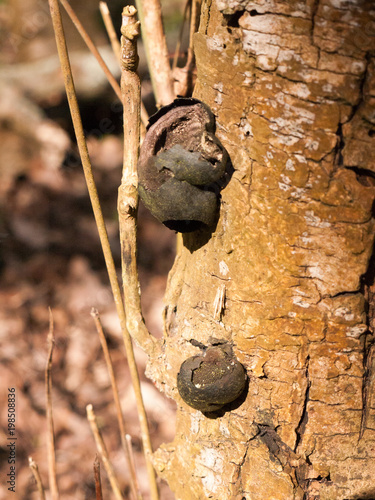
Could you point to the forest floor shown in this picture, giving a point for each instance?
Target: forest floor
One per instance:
(50, 257)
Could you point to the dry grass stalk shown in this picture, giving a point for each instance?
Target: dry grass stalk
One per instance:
(148, 343)
(149, 12)
(102, 450)
(106, 16)
(34, 469)
(90, 44)
(98, 482)
(128, 204)
(120, 418)
(50, 433)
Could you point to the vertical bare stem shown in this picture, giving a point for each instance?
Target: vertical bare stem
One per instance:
(98, 482)
(120, 418)
(34, 469)
(91, 46)
(194, 21)
(184, 76)
(102, 450)
(156, 50)
(128, 191)
(50, 433)
(110, 29)
(116, 47)
(128, 200)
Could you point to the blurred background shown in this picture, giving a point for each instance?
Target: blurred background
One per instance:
(50, 254)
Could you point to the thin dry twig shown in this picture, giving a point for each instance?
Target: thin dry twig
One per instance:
(98, 482)
(128, 441)
(50, 433)
(116, 47)
(120, 417)
(128, 203)
(149, 12)
(128, 191)
(90, 44)
(194, 21)
(106, 16)
(102, 450)
(34, 469)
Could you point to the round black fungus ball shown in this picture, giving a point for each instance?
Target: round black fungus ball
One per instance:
(210, 380)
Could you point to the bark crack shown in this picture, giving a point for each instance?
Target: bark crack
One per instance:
(361, 91)
(209, 5)
(304, 415)
(241, 464)
(368, 387)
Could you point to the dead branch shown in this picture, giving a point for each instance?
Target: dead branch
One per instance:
(50, 432)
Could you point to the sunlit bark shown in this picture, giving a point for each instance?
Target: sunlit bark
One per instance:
(292, 84)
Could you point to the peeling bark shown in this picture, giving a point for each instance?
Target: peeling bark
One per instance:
(292, 85)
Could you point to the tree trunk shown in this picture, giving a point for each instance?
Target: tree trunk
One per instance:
(292, 85)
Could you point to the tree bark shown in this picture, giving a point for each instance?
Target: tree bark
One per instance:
(292, 85)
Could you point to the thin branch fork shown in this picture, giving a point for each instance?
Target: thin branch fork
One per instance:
(184, 77)
(35, 470)
(179, 41)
